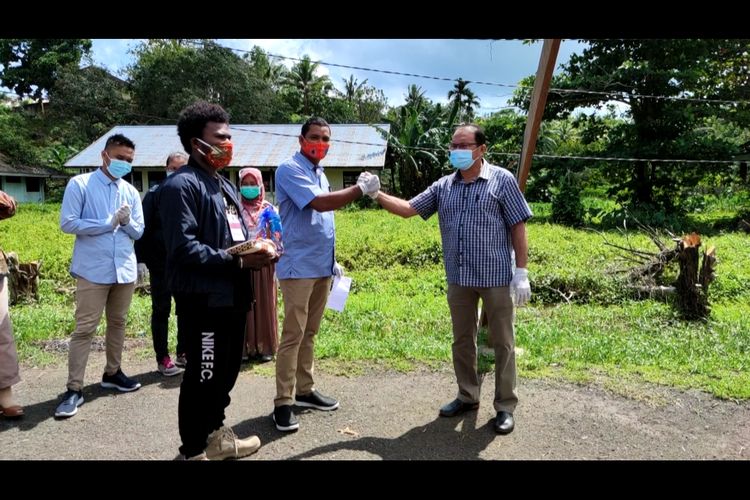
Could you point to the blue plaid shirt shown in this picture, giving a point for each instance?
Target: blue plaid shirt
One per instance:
(475, 220)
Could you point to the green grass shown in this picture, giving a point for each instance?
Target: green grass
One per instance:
(34, 233)
(643, 338)
(397, 315)
(400, 319)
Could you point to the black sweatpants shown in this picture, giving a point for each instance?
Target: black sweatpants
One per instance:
(213, 340)
(161, 306)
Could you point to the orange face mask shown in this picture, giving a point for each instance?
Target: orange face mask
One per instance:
(218, 156)
(315, 150)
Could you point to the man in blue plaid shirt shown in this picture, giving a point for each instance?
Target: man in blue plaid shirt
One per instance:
(482, 215)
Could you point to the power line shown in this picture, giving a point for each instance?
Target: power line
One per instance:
(611, 158)
(643, 96)
(506, 85)
(497, 153)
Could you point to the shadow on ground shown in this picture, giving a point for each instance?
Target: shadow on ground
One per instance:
(39, 412)
(457, 438)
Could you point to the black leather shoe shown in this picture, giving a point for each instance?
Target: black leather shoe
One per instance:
(457, 407)
(504, 422)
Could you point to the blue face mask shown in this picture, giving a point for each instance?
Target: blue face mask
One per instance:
(461, 158)
(118, 168)
(250, 192)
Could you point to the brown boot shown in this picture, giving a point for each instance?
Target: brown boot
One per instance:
(223, 443)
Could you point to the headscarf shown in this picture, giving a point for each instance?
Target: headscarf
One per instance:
(252, 208)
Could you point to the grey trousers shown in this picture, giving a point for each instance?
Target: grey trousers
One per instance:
(463, 302)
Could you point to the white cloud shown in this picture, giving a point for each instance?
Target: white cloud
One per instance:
(496, 61)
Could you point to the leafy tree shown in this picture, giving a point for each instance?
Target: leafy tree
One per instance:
(17, 138)
(504, 131)
(168, 75)
(726, 75)
(368, 102)
(90, 101)
(371, 105)
(334, 109)
(266, 70)
(32, 65)
(417, 145)
(647, 75)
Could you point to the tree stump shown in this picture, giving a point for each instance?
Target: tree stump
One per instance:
(23, 279)
(692, 282)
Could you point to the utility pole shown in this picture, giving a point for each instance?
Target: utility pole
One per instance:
(542, 81)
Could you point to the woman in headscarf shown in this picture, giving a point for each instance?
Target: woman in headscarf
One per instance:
(261, 330)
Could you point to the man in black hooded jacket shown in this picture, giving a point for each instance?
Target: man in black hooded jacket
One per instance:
(200, 214)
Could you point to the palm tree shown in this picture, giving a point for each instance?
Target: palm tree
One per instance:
(302, 78)
(465, 98)
(416, 144)
(353, 90)
(415, 97)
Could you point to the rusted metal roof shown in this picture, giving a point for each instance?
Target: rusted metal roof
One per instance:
(27, 170)
(254, 145)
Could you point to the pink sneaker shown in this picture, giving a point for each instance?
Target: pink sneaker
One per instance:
(167, 367)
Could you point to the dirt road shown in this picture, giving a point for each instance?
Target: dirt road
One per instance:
(383, 415)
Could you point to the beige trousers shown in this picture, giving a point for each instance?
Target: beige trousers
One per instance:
(91, 301)
(8, 355)
(304, 305)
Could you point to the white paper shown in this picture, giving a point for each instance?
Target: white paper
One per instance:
(339, 293)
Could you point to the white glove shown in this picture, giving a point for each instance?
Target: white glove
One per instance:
(362, 181)
(373, 186)
(142, 271)
(338, 270)
(123, 214)
(520, 289)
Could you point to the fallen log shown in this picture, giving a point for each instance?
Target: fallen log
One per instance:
(691, 287)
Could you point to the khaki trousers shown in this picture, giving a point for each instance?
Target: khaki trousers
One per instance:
(91, 301)
(463, 302)
(8, 355)
(304, 304)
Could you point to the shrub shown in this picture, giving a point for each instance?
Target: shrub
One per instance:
(567, 208)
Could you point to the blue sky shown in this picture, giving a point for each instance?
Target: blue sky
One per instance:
(497, 61)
